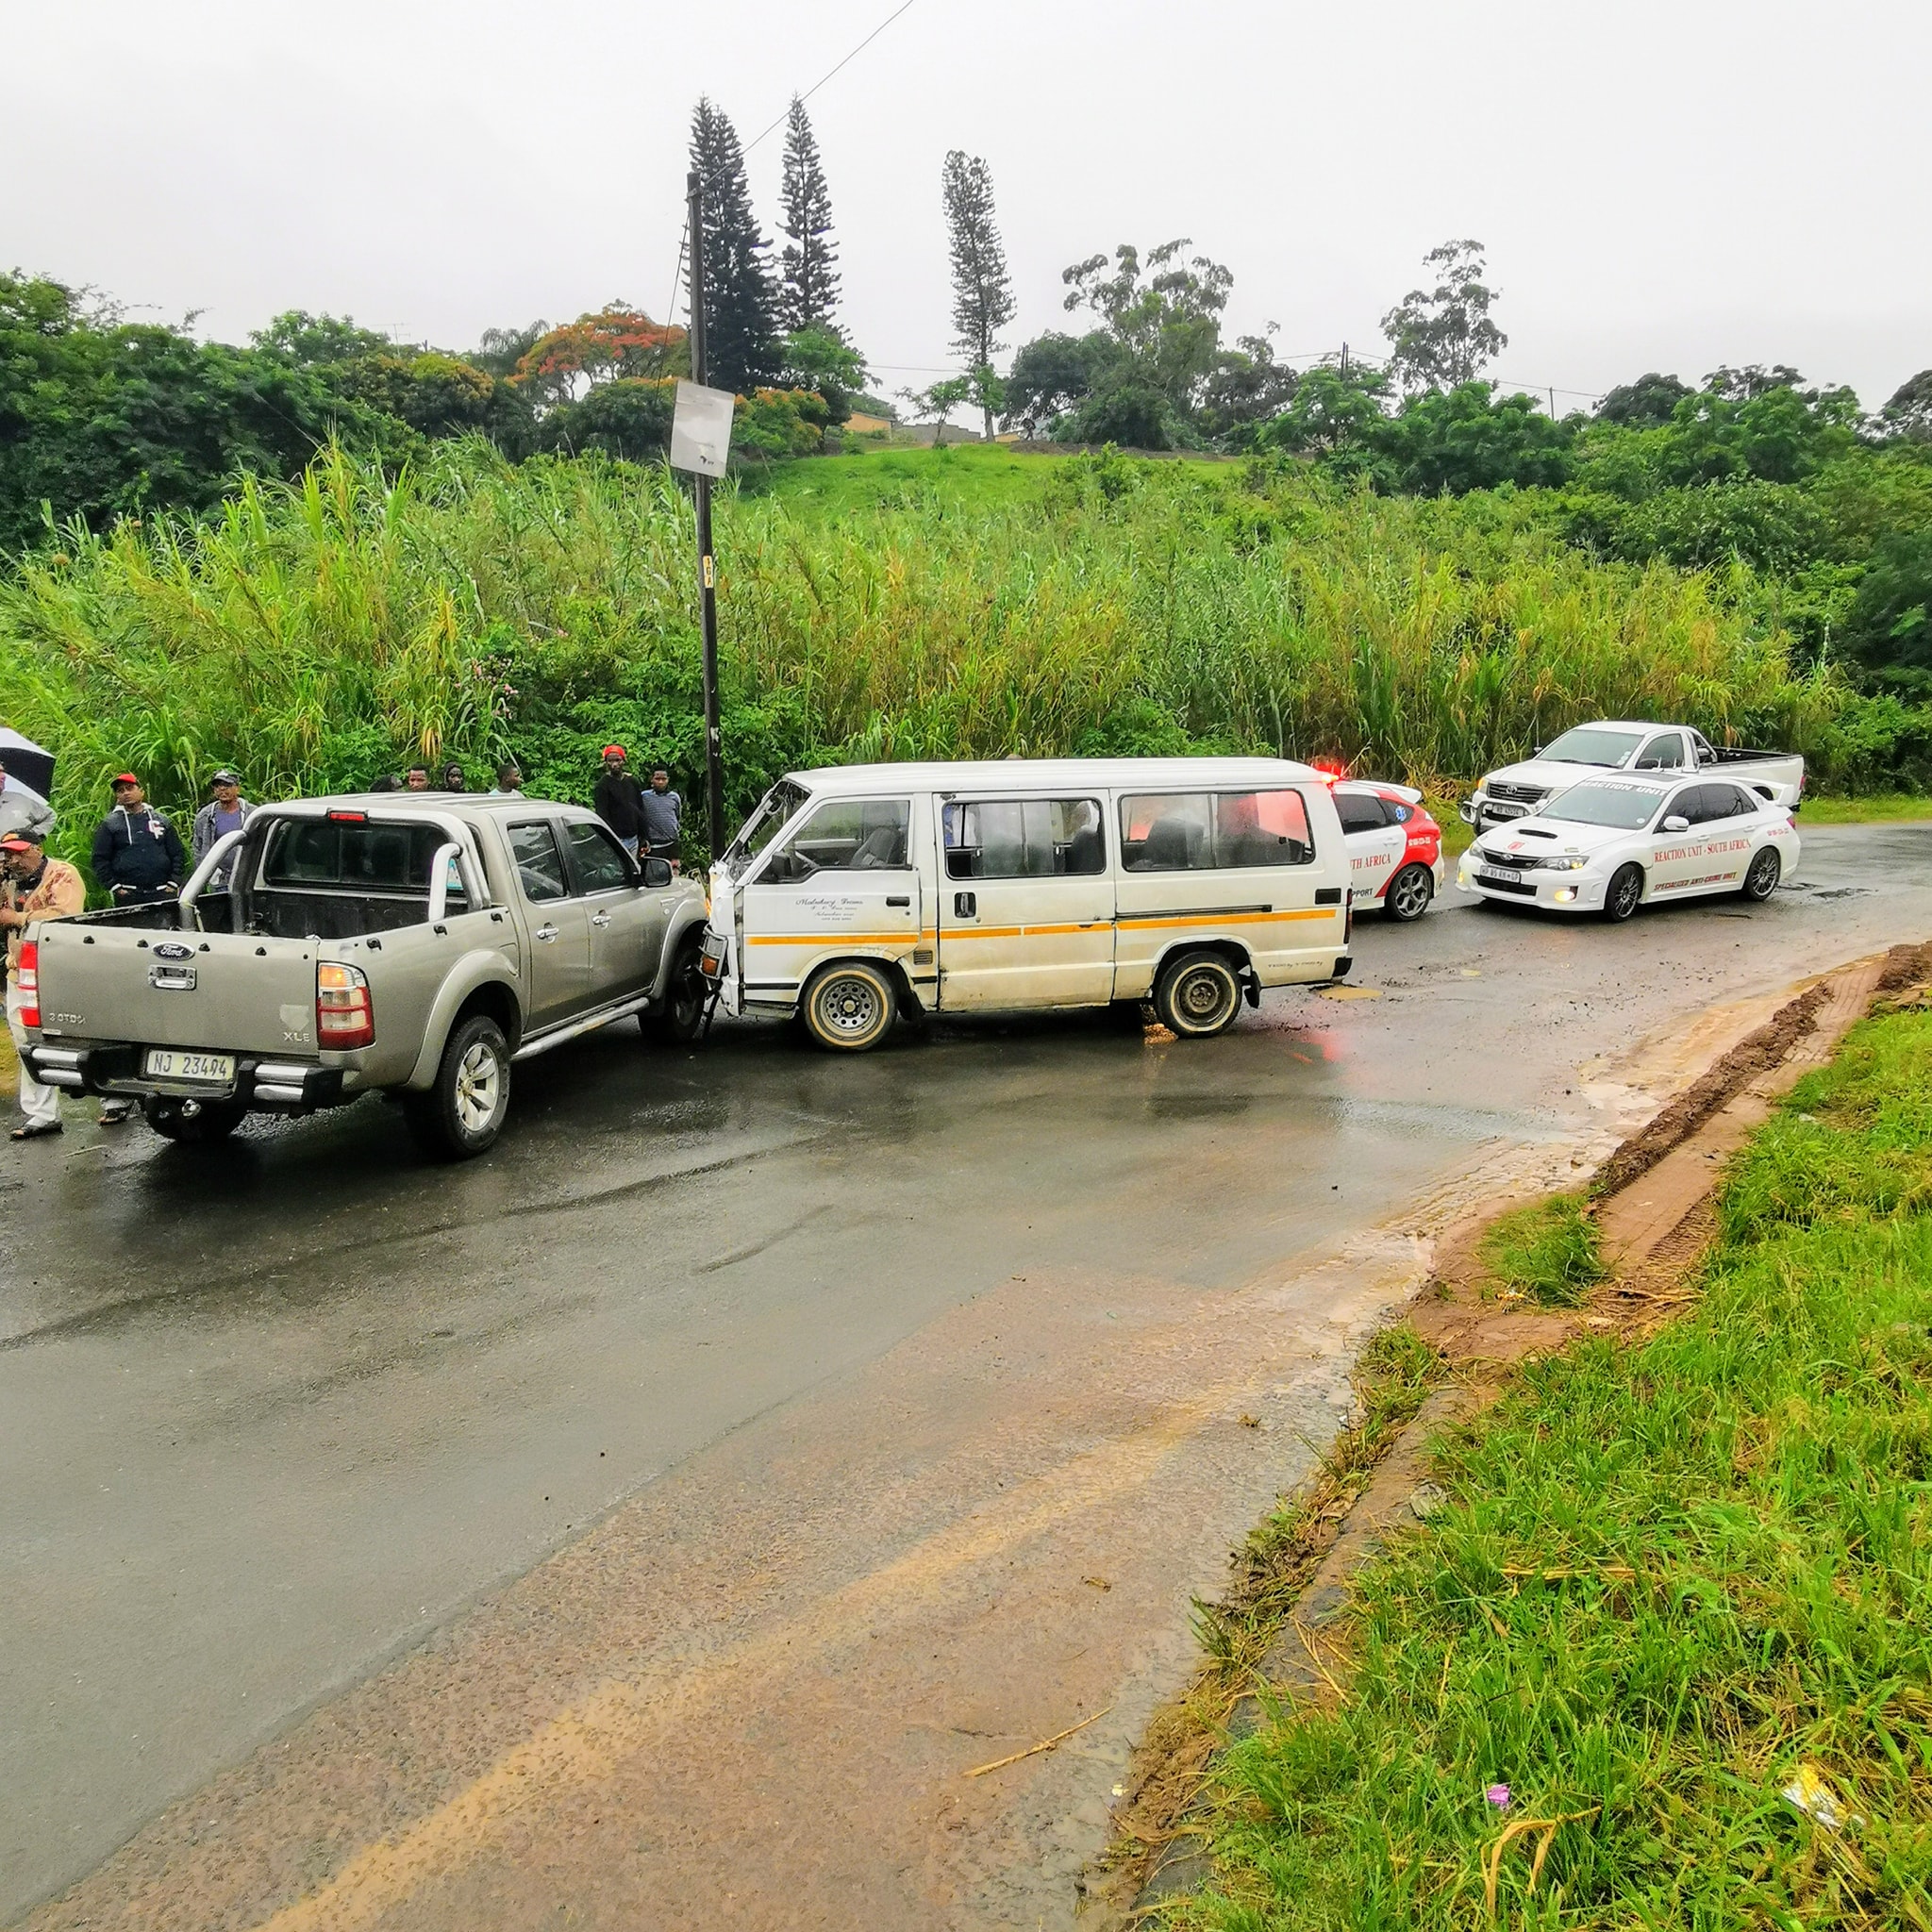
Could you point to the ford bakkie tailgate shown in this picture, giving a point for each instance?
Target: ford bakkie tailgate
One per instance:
(222, 991)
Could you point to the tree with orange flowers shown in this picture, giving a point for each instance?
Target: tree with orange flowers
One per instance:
(614, 341)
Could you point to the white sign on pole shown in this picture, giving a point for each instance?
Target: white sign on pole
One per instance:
(701, 430)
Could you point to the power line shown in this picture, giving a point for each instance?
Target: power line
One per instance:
(848, 60)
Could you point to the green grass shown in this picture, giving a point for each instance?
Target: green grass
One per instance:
(1872, 809)
(1546, 1250)
(1666, 1579)
(962, 477)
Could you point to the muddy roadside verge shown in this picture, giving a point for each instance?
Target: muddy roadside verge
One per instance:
(1268, 1644)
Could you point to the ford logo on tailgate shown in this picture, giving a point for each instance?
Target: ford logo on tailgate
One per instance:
(174, 949)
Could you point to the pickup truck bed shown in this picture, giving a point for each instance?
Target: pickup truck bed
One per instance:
(365, 942)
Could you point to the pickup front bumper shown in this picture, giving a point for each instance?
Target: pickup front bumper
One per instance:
(261, 1084)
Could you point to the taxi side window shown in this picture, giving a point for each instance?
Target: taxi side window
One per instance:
(1024, 837)
(1195, 831)
(847, 835)
(539, 863)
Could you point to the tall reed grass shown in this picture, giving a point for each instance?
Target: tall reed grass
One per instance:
(316, 635)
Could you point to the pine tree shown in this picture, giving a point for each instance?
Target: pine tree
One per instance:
(810, 291)
(982, 288)
(740, 334)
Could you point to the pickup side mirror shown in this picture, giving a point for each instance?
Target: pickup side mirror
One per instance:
(1677, 822)
(658, 872)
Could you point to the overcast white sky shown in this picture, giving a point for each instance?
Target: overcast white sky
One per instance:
(1659, 186)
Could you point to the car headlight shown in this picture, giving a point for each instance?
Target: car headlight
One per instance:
(1572, 862)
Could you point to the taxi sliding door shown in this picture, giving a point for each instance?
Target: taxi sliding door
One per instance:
(1025, 903)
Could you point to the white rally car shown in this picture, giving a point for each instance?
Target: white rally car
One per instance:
(1609, 845)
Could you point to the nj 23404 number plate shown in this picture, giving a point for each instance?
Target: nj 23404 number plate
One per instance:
(170, 1063)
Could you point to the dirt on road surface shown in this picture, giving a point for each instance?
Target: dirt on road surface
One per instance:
(657, 1523)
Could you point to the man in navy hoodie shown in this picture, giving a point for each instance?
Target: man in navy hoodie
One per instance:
(138, 859)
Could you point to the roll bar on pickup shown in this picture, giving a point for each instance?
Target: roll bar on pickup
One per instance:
(457, 845)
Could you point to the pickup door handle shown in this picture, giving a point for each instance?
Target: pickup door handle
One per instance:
(901, 899)
(604, 918)
(546, 933)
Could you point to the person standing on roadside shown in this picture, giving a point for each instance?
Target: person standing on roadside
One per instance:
(32, 886)
(226, 811)
(453, 779)
(416, 779)
(661, 812)
(510, 782)
(619, 799)
(138, 857)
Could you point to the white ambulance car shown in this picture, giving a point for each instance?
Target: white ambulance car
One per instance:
(856, 892)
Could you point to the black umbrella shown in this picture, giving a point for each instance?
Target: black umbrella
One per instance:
(31, 763)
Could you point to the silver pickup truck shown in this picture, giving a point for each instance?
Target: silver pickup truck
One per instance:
(410, 944)
(1623, 744)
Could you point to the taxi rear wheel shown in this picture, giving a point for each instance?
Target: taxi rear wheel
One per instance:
(850, 1007)
(1409, 892)
(1624, 894)
(1763, 873)
(1199, 995)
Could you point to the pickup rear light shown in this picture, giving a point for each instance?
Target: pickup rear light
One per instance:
(27, 977)
(344, 1017)
(346, 818)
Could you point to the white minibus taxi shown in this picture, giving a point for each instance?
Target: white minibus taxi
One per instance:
(856, 891)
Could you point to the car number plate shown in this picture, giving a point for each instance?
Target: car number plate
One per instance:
(1503, 872)
(167, 1063)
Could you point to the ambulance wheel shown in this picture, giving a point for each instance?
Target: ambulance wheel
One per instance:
(1764, 872)
(1409, 892)
(1624, 894)
(192, 1122)
(1199, 995)
(850, 1007)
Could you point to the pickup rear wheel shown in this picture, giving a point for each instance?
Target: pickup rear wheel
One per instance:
(677, 1021)
(461, 1115)
(851, 1006)
(192, 1122)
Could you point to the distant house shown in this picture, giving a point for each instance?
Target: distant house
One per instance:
(857, 425)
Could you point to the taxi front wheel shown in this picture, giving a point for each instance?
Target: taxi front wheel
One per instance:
(1199, 995)
(850, 1007)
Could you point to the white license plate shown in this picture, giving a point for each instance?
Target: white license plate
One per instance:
(167, 1063)
(1500, 874)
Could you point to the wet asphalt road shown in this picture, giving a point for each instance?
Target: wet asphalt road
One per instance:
(272, 1415)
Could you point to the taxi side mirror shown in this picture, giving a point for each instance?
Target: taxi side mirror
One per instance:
(658, 872)
(1677, 822)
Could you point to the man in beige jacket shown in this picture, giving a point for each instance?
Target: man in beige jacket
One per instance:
(32, 886)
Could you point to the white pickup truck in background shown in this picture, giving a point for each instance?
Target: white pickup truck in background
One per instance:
(1624, 744)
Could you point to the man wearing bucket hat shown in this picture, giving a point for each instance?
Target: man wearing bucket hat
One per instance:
(226, 811)
(619, 799)
(32, 886)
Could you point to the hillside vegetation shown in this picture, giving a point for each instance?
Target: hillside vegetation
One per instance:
(969, 603)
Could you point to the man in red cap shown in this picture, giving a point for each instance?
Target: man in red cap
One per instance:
(32, 886)
(138, 857)
(619, 799)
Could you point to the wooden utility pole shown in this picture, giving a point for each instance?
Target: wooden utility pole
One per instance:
(707, 571)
